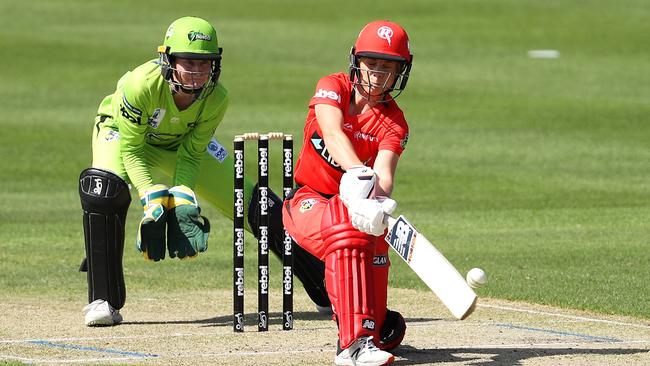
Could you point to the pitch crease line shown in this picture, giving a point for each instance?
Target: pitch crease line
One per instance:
(562, 333)
(76, 360)
(575, 317)
(92, 349)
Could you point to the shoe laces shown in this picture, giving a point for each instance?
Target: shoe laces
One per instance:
(367, 343)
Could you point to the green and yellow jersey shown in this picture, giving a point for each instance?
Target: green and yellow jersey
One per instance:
(143, 111)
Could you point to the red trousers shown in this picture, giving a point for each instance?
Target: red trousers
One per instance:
(306, 216)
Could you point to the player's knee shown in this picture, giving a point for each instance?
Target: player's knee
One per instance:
(102, 191)
(337, 230)
(393, 330)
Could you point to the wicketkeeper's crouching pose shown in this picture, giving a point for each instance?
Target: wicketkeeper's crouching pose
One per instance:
(354, 124)
(163, 115)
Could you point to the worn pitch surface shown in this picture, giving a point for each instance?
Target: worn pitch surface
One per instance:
(196, 329)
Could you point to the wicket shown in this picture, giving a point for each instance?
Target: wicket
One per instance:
(263, 241)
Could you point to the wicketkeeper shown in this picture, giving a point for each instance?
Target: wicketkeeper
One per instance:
(162, 116)
(353, 138)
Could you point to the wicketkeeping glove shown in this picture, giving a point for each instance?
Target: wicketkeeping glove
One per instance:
(187, 230)
(151, 231)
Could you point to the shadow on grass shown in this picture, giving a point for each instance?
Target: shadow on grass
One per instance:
(251, 320)
(496, 356)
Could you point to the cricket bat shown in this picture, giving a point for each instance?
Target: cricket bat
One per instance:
(432, 267)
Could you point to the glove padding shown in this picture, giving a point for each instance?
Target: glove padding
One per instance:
(151, 231)
(357, 182)
(367, 215)
(187, 230)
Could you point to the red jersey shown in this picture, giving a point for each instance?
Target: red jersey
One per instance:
(381, 128)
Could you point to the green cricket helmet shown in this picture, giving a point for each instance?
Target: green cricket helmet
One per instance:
(190, 38)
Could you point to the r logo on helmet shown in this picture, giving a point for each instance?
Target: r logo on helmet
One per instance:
(386, 33)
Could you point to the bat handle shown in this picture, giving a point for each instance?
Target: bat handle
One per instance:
(389, 221)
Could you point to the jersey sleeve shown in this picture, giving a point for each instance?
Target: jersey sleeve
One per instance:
(132, 124)
(194, 145)
(328, 91)
(396, 136)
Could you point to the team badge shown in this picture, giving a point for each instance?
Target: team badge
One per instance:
(156, 117)
(307, 205)
(385, 33)
(196, 35)
(404, 141)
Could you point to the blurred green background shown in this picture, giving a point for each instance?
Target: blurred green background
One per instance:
(534, 169)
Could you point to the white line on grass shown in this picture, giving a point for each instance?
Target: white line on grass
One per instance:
(105, 338)
(528, 346)
(68, 360)
(574, 317)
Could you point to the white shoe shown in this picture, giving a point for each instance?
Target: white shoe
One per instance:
(100, 312)
(363, 352)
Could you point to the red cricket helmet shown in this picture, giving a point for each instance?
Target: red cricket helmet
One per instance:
(386, 40)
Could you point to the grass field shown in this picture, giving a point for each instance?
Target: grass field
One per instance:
(534, 169)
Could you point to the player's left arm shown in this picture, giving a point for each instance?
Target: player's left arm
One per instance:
(385, 167)
(192, 149)
(187, 230)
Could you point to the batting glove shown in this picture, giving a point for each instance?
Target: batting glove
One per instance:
(357, 183)
(367, 215)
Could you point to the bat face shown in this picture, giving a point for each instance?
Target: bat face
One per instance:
(401, 237)
(432, 267)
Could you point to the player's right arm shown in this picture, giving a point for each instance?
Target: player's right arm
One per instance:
(131, 118)
(330, 121)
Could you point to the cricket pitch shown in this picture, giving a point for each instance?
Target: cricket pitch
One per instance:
(196, 329)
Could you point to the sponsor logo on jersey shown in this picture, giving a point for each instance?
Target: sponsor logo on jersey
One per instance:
(217, 151)
(306, 205)
(130, 112)
(156, 117)
(347, 126)
(368, 324)
(319, 145)
(112, 135)
(365, 136)
(404, 141)
(175, 120)
(324, 93)
(194, 36)
(386, 33)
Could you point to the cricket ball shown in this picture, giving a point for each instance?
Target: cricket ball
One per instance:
(476, 278)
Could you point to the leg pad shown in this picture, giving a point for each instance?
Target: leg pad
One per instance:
(105, 199)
